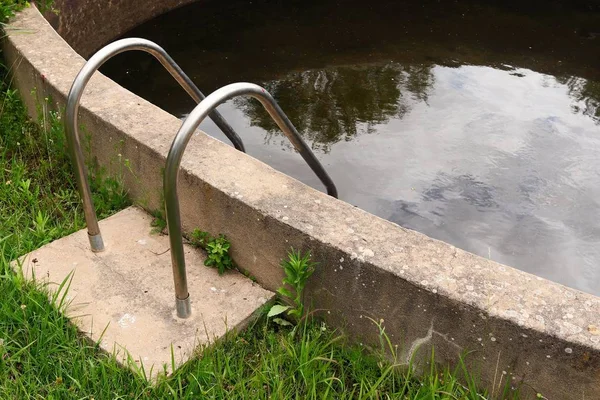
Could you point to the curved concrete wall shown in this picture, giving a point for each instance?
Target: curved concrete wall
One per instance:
(90, 24)
(519, 327)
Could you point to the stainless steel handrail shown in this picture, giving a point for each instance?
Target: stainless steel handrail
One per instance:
(72, 132)
(182, 138)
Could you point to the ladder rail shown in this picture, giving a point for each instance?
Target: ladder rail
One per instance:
(190, 124)
(71, 116)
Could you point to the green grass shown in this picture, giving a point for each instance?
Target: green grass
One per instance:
(42, 356)
(309, 362)
(37, 190)
(9, 7)
(38, 194)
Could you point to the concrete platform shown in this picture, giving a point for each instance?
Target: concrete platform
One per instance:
(124, 297)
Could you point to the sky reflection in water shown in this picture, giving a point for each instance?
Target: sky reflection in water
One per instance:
(503, 163)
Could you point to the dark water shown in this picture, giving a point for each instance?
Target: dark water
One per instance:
(474, 122)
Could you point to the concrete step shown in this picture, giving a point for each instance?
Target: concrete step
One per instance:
(124, 297)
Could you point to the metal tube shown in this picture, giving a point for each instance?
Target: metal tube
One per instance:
(190, 124)
(71, 128)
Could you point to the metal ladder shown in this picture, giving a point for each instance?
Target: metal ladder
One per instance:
(71, 115)
(206, 107)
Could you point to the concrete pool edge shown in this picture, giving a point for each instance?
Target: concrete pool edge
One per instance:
(426, 291)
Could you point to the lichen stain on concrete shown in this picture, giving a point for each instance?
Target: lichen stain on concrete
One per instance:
(365, 252)
(126, 320)
(417, 343)
(414, 347)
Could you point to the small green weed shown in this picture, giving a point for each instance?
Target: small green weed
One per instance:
(8, 8)
(108, 193)
(298, 269)
(217, 249)
(159, 223)
(218, 254)
(200, 238)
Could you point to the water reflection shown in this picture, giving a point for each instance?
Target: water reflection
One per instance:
(585, 95)
(337, 104)
(340, 103)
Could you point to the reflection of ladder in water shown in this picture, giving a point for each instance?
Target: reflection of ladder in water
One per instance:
(108, 282)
